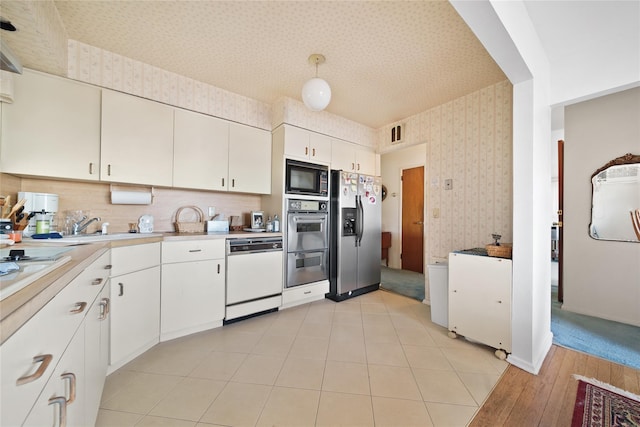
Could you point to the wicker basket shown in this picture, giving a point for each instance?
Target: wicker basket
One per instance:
(190, 227)
(502, 251)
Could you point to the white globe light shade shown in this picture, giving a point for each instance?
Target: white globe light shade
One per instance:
(316, 94)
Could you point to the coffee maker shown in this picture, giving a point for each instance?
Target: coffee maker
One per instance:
(42, 208)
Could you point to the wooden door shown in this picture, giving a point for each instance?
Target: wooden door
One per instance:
(412, 255)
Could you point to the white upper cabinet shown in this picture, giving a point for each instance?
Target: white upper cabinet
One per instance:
(249, 159)
(201, 151)
(302, 144)
(352, 158)
(137, 140)
(52, 128)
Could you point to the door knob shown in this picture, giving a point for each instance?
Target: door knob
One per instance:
(419, 222)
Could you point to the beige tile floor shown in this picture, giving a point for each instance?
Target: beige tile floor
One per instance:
(372, 360)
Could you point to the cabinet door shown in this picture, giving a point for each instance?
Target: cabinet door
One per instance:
(135, 312)
(64, 394)
(319, 148)
(343, 156)
(137, 140)
(480, 299)
(365, 161)
(96, 337)
(201, 147)
(52, 128)
(192, 297)
(296, 142)
(249, 160)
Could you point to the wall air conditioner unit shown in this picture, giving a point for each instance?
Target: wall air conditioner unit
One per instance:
(397, 134)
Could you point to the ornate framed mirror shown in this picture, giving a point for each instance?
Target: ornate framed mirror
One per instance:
(615, 200)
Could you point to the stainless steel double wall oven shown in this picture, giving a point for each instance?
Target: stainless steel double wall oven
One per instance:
(307, 241)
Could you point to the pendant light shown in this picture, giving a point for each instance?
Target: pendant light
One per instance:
(316, 93)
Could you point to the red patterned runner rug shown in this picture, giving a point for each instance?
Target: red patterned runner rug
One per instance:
(599, 404)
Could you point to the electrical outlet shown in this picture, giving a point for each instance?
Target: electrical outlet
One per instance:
(448, 184)
(212, 211)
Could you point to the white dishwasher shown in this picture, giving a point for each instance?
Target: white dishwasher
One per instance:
(254, 276)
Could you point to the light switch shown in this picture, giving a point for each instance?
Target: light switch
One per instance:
(436, 212)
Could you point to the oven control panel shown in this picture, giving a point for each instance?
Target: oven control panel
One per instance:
(306, 205)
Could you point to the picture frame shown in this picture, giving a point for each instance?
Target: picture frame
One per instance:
(257, 219)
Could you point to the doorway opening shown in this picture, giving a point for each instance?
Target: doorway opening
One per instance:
(412, 255)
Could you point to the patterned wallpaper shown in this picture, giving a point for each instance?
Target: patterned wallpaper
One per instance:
(103, 68)
(106, 69)
(469, 141)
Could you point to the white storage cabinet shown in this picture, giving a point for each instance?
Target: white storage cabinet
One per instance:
(480, 300)
(47, 360)
(52, 128)
(135, 302)
(193, 282)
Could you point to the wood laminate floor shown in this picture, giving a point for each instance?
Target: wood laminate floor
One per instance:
(547, 399)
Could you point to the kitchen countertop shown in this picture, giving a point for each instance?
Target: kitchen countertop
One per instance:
(18, 308)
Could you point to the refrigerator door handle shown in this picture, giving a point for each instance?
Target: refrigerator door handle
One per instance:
(359, 221)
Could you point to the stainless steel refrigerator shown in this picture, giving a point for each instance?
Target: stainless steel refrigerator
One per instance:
(355, 225)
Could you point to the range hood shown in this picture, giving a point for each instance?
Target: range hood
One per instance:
(8, 60)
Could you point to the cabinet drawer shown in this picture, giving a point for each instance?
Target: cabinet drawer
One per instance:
(192, 250)
(134, 258)
(46, 334)
(299, 293)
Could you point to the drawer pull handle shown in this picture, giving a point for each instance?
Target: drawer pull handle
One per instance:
(97, 281)
(108, 267)
(307, 292)
(306, 150)
(233, 183)
(80, 308)
(105, 306)
(44, 360)
(108, 170)
(195, 250)
(121, 289)
(62, 415)
(222, 182)
(218, 268)
(72, 386)
(90, 168)
(313, 152)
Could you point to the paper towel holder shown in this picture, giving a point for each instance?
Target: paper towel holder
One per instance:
(127, 197)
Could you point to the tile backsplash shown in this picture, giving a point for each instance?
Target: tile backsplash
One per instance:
(94, 198)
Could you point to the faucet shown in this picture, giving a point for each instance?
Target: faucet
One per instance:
(78, 227)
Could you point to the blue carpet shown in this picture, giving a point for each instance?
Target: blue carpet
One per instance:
(403, 282)
(614, 341)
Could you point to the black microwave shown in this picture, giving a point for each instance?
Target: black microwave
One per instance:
(302, 178)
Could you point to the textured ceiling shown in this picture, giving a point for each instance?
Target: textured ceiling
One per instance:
(386, 60)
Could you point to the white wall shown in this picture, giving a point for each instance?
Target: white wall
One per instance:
(601, 278)
(505, 29)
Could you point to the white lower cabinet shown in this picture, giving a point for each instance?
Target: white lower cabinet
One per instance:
(135, 302)
(135, 314)
(43, 363)
(63, 400)
(193, 287)
(96, 343)
(304, 294)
